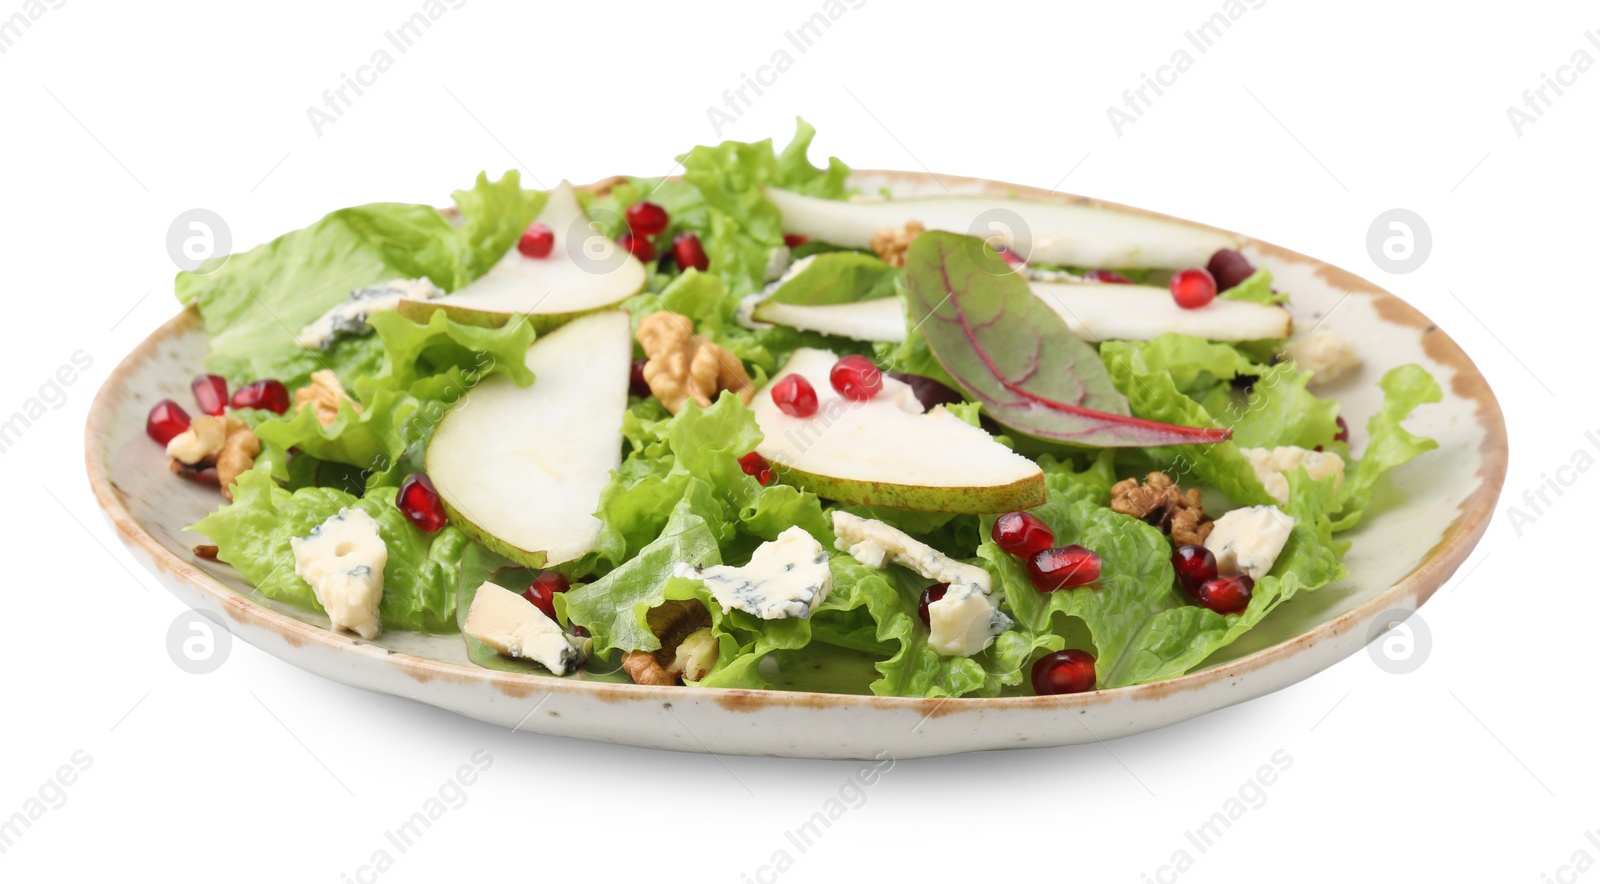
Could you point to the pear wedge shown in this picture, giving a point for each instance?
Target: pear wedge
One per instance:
(520, 469)
(1044, 232)
(887, 452)
(585, 271)
(880, 319)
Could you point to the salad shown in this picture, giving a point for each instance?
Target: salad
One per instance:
(751, 427)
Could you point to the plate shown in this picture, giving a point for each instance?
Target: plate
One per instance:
(1424, 522)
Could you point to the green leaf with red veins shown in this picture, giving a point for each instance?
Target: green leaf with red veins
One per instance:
(1012, 352)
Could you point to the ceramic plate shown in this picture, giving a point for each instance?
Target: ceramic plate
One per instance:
(1423, 523)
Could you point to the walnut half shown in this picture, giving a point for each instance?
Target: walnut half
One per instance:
(891, 243)
(1159, 501)
(680, 365)
(323, 396)
(225, 444)
(688, 649)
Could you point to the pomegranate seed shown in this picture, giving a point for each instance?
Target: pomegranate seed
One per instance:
(542, 591)
(537, 241)
(1344, 430)
(756, 466)
(1022, 534)
(927, 390)
(1064, 672)
(1195, 565)
(637, 385)
(1193, 288)
(929, 596)
(1062, 567)
(637, 246)
(795, 240)
(167, 419)
(795, 396)
(646, 219)
(269, 394)
(688, 252)
(579, 631)
(1229, 268)
(856, 378)
(210, 393)
(1226, 595)
(420, 503)
(1107, 276)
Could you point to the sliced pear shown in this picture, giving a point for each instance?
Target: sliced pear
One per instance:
(1045, 232)
(585, 271)
(1094, 311)
(887, 452)
(520, 469)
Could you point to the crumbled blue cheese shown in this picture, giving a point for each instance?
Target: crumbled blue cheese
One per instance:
(964, 622)
(1248, 540)
(350, 318)
(786, 577)
(511, 625)
(1326, 355)
(343, 560)
(1271, 465)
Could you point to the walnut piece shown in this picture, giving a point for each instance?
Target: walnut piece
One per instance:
(323, 395)
(680, 365)
(891, 243)
(224, 444)
(687, 647)
(1159, 501)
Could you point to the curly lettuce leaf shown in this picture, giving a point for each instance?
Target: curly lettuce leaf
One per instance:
(1391, 445)
(840, 278)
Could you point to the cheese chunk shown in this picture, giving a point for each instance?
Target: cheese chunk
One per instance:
(513, 626)
(1247, 541)
(786, 577)
(873, 543)
(1271, 464)
(1324, 354)
(343, 560)
(350, 317)
(964, 622)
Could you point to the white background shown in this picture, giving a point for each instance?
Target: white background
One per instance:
(1300, 126)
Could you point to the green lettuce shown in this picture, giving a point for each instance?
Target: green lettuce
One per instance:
(1391, 445)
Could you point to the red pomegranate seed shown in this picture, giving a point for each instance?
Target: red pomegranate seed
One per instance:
(795, 240)
(167, 419)
(637, 385)
(1064, 672)
(646, 219)
(210, 393)
(1023, 535)
(929, 596)
(795, 396)
(1107, 276)
(688, 252)
(1195, 565)
(637, 246)
(269, 394)
(537, 241)
(420, 503)
(856, 378)
(1344, 430)
(756, 466)
(1063, 567)
(579, 631)
(1226, 595)
(1229, 268)
(1193, 288)
(542, 591)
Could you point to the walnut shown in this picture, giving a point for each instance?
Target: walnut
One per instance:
(323, 395)
(681, 365)
(1162, 503)
(687, 647)
(891, 243)
(225, 445)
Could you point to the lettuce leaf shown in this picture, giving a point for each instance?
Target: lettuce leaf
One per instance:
(1391, 445)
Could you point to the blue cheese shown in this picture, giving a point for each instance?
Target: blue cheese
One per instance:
(1272, 464)
(1248, 540)
(350, 318)
(964, 622)
(343, 560)
(508, 623)
(786, 577)
(1325, 354)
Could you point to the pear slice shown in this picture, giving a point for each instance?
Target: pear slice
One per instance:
(585, 271)
(520, 469)
(1044, 232)
(887, 452)
(1094, 311)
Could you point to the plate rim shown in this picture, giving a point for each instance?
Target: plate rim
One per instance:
(1437, 565)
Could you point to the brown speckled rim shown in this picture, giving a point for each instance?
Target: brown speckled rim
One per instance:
(1410, 592)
